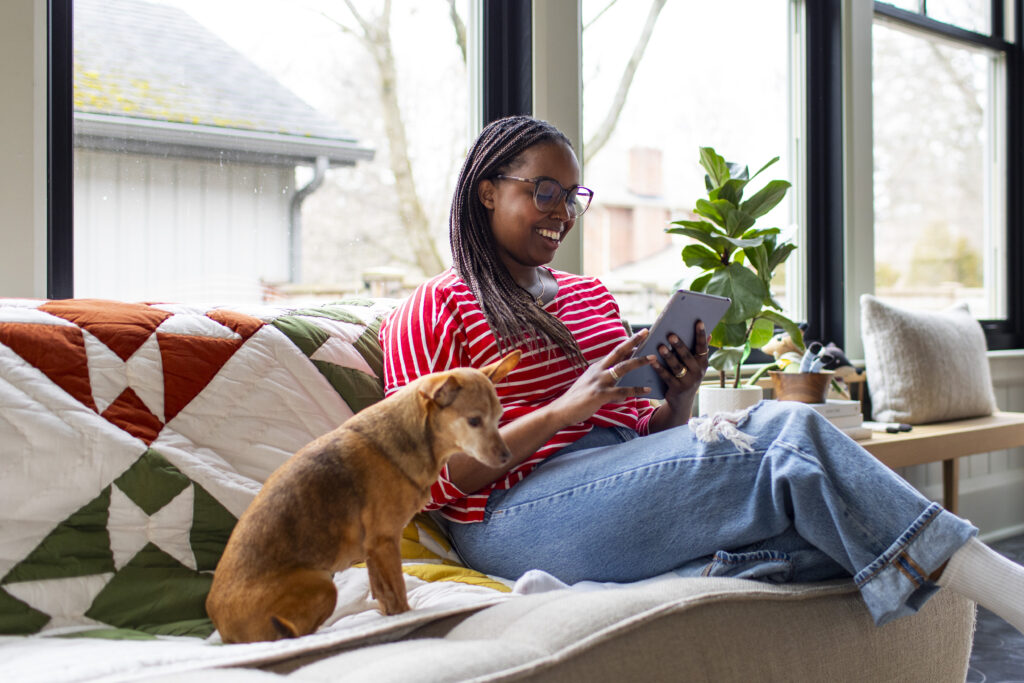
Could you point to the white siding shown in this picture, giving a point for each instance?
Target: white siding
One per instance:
(153, 228)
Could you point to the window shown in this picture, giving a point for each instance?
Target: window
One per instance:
(248, 151)
(939, 169)
(693, 86)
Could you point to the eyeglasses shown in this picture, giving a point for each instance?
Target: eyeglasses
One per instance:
(548, 194)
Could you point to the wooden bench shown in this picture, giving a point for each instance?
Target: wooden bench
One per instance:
(947, 442)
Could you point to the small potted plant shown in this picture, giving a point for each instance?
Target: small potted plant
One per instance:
(738, 260)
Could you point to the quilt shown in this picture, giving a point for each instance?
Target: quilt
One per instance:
(133, 436)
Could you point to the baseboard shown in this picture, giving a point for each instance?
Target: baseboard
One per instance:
(997, 535)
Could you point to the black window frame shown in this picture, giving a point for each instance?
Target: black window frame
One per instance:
(1005, 333)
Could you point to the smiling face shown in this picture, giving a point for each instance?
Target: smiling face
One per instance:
(527, 237)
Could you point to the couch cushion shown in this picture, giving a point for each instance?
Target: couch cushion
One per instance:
(709, 629)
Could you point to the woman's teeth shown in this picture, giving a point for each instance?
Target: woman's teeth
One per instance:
(550, 234)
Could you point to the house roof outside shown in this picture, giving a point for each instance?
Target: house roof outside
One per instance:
(151, 79)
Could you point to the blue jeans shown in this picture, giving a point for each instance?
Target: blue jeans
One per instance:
(806, 504)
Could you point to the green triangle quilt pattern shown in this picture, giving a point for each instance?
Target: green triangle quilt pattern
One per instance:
(129, 430)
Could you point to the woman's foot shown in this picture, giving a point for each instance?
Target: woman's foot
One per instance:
(986, 577)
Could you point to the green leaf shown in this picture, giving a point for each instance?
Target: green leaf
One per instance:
(743, 286)
(758, 257)
(699, 256)
(738, 171)
(716, 241)
(737, 222)
(761, 232)
(695, 225)
(725, 359)
(732, 191)
(716, 210)
(790, 327)
(742, 243)
(765, 199)
(700, 282)
(728, 334)
(764, 167)
(761, 332)
(780, 254)
(715, 166)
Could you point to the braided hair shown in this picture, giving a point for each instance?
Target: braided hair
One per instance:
(510, 311)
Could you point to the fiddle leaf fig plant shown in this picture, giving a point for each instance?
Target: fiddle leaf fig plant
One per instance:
(738, 259)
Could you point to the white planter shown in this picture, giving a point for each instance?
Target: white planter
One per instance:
(713, 400)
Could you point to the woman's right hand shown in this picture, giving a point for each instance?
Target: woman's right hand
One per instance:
(596, 386)
(523, 436)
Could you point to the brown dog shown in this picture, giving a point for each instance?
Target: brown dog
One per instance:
(346, 497)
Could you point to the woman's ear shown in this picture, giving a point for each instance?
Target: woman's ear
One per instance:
(486, 191)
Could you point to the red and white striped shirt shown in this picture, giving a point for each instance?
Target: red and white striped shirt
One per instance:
(441, 326)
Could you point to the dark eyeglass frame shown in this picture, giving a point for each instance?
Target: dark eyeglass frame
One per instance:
(565, 193)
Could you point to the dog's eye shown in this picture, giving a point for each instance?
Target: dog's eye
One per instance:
(474, 421)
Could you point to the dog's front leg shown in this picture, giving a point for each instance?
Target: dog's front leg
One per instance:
(384, 564)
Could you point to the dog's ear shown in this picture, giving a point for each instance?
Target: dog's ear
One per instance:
(498, 371)
(442, 392)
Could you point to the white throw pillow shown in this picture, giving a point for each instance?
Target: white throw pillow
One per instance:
(925, 366)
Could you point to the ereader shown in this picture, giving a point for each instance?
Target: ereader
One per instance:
(679, 316)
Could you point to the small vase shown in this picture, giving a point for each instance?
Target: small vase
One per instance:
(805, 387)
(713, 400)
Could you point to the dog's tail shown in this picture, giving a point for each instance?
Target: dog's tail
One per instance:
(285, 628)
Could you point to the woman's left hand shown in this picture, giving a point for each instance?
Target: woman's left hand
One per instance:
(682, 371)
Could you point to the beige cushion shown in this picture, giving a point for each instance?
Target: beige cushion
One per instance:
(925, 366)
(675, 629)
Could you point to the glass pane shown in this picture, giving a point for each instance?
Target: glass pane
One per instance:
(973, 15)
(693, 87)
(199, 125)
(937, 241)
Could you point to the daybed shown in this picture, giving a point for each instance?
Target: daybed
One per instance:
(133, 436)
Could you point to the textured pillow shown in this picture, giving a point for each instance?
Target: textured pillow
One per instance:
(925, 366)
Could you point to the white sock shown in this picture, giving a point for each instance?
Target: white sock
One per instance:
(981, 574)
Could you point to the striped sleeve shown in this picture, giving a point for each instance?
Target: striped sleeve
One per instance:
(419, 338)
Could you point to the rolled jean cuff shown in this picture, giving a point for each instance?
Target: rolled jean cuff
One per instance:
(896, 584)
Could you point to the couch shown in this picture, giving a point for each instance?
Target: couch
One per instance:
(132, 436)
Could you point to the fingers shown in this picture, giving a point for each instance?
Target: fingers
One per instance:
(624, 350)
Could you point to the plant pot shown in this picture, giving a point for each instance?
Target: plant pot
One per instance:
(713, 400)
(805, 387)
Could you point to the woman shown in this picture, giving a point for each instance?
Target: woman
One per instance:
(602, 485)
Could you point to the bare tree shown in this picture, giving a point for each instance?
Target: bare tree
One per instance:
(375, 34)
(604, 131)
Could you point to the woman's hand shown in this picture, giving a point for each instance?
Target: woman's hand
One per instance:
(596, 386)
(684, 372)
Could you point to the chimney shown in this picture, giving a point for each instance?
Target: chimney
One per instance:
(644, 178)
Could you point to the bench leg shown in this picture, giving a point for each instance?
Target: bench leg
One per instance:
(951, 484)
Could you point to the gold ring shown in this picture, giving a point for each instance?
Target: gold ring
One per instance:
(701, 354)
(615, 375)
(681, 374)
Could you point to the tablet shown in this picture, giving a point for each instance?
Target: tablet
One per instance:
(680, 316)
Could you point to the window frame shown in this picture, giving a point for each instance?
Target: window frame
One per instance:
(509, 46)
(1009, 332)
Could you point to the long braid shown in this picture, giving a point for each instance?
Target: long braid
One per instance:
(510, 311)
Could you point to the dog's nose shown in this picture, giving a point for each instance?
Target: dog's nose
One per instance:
(506, 455)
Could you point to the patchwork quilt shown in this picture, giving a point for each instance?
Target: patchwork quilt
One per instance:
(132, 436)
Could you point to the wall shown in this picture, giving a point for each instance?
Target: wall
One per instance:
(160, 228)
(22, 148)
